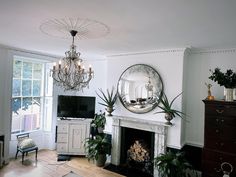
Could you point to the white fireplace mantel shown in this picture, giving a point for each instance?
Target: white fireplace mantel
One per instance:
(159, 128)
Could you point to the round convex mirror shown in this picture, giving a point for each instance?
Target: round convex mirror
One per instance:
(140, 88)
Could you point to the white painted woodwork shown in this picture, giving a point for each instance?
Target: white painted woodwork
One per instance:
(159, 128)
(71, 135)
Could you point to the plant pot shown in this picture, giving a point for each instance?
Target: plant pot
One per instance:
(229, 94)
(109, 111)
(100, 161)
(168, 117)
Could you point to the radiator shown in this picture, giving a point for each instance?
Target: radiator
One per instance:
(1, 154)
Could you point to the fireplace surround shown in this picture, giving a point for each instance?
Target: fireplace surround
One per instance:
(158, 128)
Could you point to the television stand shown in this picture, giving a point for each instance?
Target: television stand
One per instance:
(71, 135)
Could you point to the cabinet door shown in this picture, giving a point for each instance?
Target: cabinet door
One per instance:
(77, 135)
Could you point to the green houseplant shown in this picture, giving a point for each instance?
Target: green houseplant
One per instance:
(97, 148)
(227, 79)
(98, 123)
(166, 107)
(109, 99)
(172, 164)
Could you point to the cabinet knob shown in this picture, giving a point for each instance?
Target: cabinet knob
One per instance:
(217, 120)
(217, 131)
(222, 144)
(219, 111)
(222, 120)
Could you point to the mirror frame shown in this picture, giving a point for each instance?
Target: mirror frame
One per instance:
(140, 105)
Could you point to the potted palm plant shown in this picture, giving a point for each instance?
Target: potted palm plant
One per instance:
(227, 79)
(97, 148)
(172, 164)
(166, 107)
(109, 99)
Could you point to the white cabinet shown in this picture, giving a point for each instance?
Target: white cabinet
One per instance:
(71, 135)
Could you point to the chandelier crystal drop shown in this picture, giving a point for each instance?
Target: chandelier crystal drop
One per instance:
(70, 73)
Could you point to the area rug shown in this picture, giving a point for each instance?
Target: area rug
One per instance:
(71, 174)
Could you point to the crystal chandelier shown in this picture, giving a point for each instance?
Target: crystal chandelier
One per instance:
(70, 73)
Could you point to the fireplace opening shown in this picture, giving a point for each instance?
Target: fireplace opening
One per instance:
(137, 152)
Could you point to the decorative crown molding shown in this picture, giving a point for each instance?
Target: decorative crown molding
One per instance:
(212, 51)
(177, 50)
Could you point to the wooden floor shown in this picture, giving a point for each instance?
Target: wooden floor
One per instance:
(48, 166)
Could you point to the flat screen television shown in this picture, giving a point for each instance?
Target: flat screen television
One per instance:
(75, 106)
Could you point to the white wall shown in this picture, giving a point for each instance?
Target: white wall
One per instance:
(169, 64)
(198, 65)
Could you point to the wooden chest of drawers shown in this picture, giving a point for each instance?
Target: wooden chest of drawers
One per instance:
(219, 138)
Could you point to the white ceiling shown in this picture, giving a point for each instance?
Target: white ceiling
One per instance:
(135, 25)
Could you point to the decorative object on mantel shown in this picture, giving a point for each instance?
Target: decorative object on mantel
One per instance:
(227, 79)
(209, 96)
(172, 164)
(69, 73)
(109, 99)
(140, 88)
(166, 108)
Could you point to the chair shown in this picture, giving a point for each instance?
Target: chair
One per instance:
(25, 145)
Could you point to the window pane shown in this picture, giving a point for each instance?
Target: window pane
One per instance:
(17, 65)
(36, 105)
(16, 105)
(36, 88)
(37, 71)
(16, 87)
(27, 70)
(27, 105)
(26, 87)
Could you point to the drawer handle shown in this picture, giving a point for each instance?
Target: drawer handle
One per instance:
(217, 131)
(217, 120)
(217, 170)
(219, 111)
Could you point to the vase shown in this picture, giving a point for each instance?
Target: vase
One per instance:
(168, 117)
(109, 111)
(229, 94)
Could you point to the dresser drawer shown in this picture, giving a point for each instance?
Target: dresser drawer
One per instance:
(220, 131)
(218, 110)
(62, 147)
(62, 138)
(62, 128)
(220, 121)
(220, 144)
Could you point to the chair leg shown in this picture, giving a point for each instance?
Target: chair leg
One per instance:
(16, 154)
(36, 155)
(23, 154)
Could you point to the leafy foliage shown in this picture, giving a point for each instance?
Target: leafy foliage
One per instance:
(171, 164)
(166, 106)
(96, 146)
(109, 98)
(228, 79)
(99, 120)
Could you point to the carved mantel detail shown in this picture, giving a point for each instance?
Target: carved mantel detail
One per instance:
(159, 128)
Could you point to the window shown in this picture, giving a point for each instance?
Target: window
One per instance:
(31, 95)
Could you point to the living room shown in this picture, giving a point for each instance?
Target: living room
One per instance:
(181, 40)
